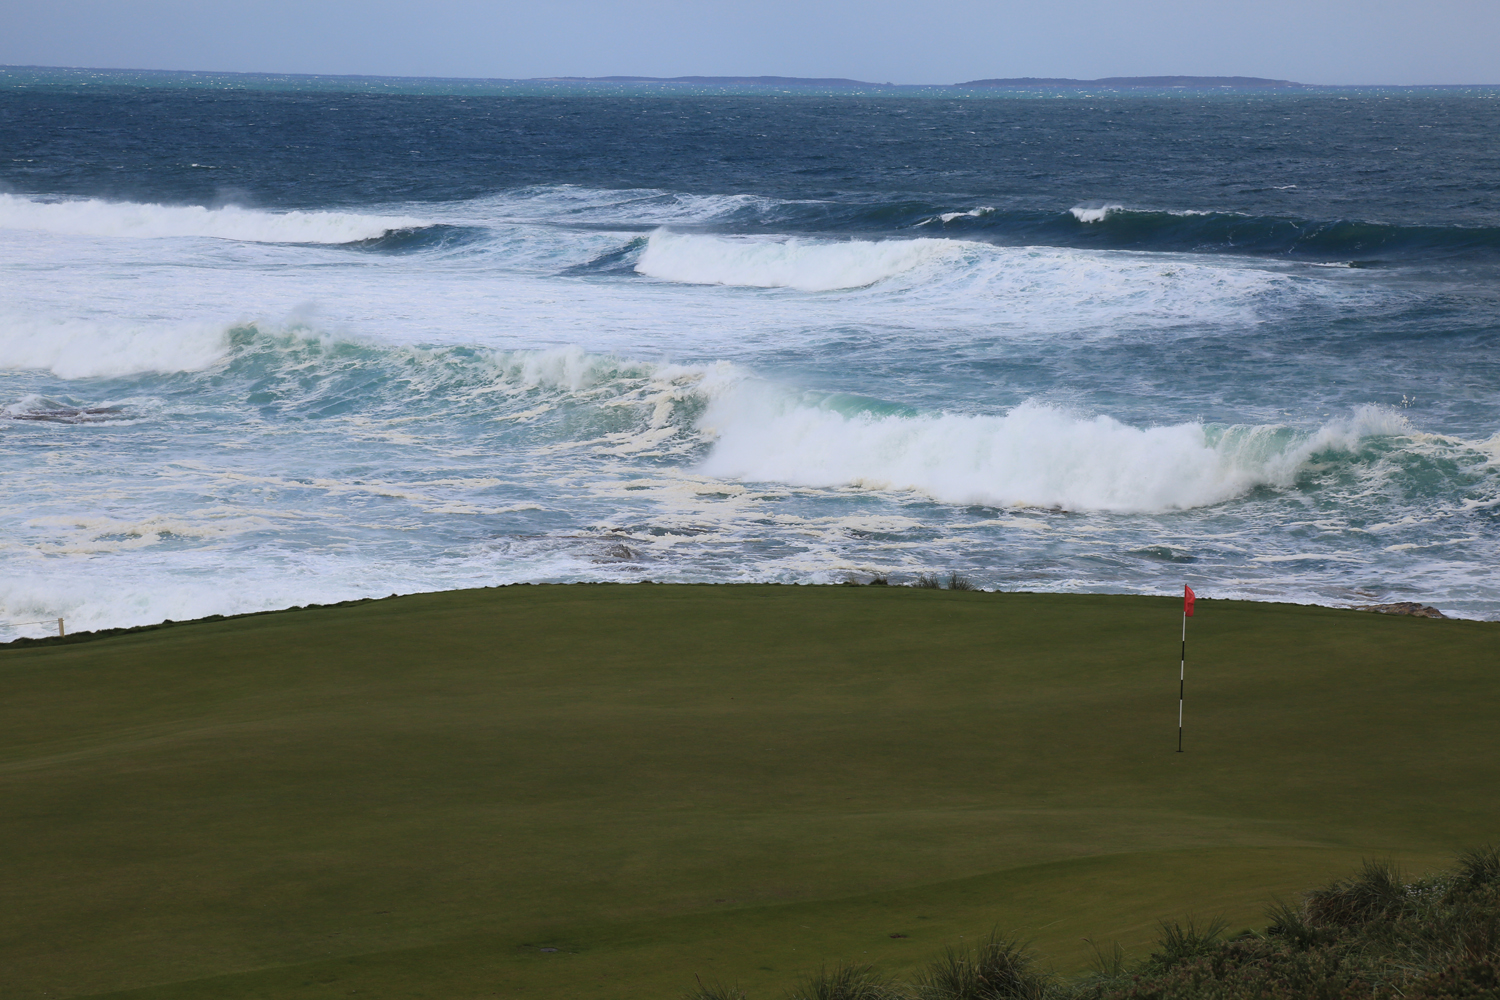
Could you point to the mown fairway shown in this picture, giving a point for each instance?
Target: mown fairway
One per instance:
(413, 797)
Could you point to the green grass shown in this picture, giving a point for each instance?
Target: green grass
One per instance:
(412, 797)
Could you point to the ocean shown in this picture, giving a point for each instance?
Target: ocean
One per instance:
(270, 342)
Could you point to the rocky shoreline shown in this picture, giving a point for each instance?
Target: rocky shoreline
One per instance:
(1404, 608)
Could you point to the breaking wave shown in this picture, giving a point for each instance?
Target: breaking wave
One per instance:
(1036, 287)
(810, 266)
(78, 348)
(1033, 456)
(1123, 227)
(1098, 225)
(93, 217)
(1096, 213)
(723, 422)
(1087, 225)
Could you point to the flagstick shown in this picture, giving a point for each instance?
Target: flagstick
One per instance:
(1181, 679)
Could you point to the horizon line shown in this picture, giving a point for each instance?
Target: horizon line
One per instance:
(1157, 81)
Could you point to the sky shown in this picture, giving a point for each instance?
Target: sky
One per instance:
(896, 41)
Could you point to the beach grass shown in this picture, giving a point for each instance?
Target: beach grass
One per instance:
(644, 790)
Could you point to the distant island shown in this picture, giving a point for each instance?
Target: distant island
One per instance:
(1020, 81)
(766, 81)
(1134, 81)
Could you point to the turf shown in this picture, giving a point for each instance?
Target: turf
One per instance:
(412, 797)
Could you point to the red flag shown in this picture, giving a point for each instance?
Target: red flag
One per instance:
(1187, 600)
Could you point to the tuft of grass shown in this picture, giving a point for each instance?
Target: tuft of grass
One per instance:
(1287, 922)
(714, 990)
(1179, 943)
(950, 977)
(880, 581)
(956, 582)
(1378, 890)
(847, 981)
(1107, 964)
(928, 581)
(998, 968)
(1479, 867)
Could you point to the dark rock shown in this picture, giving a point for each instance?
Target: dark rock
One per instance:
(1404, 608)
(619, 553)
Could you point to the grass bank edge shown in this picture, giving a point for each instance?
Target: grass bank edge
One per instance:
(926, 583)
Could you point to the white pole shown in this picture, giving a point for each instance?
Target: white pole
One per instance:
(60, 632)
(1181, 679)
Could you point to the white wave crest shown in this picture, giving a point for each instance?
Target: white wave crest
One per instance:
(1490, 447)
(93, 217)
(1034, 456)
(632, 206)
(1097, 213)
(975, 213)
(948, 281)
(84, 349)
(807, 265)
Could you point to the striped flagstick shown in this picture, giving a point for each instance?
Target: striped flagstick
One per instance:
(1187, 612)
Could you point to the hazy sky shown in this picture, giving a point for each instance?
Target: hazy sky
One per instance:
(936, 41)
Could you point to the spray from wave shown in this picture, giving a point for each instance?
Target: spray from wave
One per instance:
(1033, 456)
(670, 466)
(1035, 288)
(806, 265)
(738, 427)
(727, 424)
(87, 349)
(93, 217)
(1094, 213)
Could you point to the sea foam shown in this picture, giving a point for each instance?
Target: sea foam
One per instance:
(1098, 213)
(1035, 455)
(952, 283)
(807, 265)
(93, 217)
(1094, 213)
(78, 348)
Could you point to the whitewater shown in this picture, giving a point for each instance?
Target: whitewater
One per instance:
(212, 405)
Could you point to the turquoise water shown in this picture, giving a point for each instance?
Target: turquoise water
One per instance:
(269, 347)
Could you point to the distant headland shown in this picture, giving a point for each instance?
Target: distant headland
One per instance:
(1134, 81)
(1154, 82)
(25, 76)
(723, 81)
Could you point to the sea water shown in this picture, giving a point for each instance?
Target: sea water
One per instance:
(268, 342)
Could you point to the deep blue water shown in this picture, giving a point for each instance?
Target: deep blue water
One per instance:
(262, 347)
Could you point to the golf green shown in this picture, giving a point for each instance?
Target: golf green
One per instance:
(415, 797)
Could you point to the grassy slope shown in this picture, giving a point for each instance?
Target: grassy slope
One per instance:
(408, 797)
